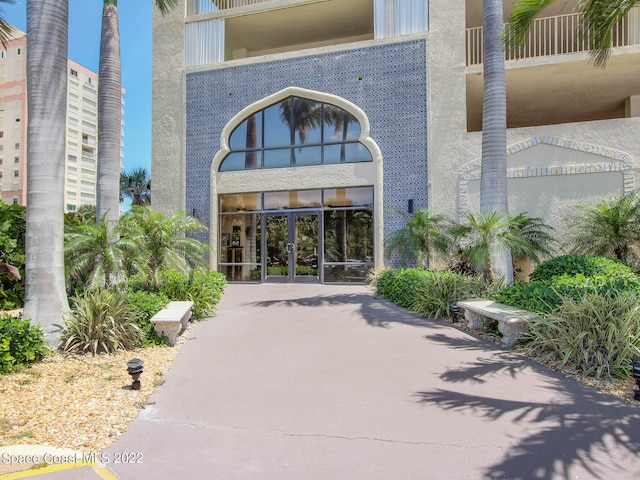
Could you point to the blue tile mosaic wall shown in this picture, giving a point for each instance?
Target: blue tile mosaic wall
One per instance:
(392, 93)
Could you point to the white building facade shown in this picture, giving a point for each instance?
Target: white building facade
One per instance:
(298, 130)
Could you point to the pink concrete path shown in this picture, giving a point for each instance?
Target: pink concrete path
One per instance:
(328, 382)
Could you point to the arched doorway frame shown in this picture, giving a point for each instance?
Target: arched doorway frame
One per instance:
(307, 177)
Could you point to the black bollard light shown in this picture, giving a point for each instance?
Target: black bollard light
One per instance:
(135, 369)
(636, 376)
(455, 311)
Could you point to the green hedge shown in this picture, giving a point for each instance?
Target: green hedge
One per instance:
(20, 343)
(401, 286)
(544, 295)
(587, 265)
(149, 303)
(429, 292)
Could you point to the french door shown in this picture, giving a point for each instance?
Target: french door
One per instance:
(292, 247)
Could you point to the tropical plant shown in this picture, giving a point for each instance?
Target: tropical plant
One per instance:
(12, 255)
(443, 288)
(526, 236)
(599, 18)
(101, 321)
(537, 235)
(493, 180)
(84, 213)
(401, 286)
(597, 334)
(545, 295)
(587, 265)
(149, 303)
(5, 29)
(424, 233)
(610, 228)
(20, 343)
(110, 110)
(45, 293)
(136, 185)
(163, 240)
(95, 255)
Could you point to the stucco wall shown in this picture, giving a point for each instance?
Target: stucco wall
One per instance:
(555, 168)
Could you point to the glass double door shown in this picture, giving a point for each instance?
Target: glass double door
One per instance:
(292, 247)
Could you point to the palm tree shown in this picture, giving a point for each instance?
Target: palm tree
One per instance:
(493, 181)
(424, 233)
(537, 235)
(136, 185)
(163, 240)
(526, 237)
(599, 17)
(45, 293)
(94, 254)
(5, 29)
(109, 110)
(610, 228)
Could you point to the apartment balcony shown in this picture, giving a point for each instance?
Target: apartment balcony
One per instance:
(202, 7)
(550, 80)
(557, 35)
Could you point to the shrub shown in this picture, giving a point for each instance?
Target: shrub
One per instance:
(401, 286)
(101, 321)
(442, 288)
(205, 292)
(204, 289)
(149, 303)
(20, 343)
(174, 284)
(596, 333)
(586, 265)
(543, 296)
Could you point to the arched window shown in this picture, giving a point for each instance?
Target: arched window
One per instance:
(295, 132)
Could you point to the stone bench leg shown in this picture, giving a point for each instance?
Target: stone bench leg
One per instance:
(475, 320)
(511, 333)
(170, 328)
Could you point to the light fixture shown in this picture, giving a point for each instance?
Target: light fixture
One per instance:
(636, 376)
(455, 311)
(135, 369)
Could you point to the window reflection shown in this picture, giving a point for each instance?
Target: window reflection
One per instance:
(239, 202)
(248, 134)
(348, 197)
(291, 133)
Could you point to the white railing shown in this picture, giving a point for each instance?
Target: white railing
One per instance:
(556, 36)
(199, 7)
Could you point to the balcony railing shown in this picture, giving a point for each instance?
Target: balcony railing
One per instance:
(199, 7)
(558, 35)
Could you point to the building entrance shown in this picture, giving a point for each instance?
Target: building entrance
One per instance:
(292, 247)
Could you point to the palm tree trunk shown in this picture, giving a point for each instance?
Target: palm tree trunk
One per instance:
(45, 293)
(109, 116)
(493, 181)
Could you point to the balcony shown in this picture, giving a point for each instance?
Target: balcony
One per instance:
(557, 35)
(201, 7)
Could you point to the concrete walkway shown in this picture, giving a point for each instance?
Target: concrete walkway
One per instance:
(328, 382)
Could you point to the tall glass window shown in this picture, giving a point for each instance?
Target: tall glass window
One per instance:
(306, 231)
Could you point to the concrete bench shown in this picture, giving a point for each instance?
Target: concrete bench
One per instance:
(512, 322)
(172, 320)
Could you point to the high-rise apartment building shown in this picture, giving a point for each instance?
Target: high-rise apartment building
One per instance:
(82, 128)
(298, 129)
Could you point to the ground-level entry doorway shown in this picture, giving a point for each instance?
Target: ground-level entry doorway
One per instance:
(322, 235)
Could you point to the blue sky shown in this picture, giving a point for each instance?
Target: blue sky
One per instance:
(135, 50)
